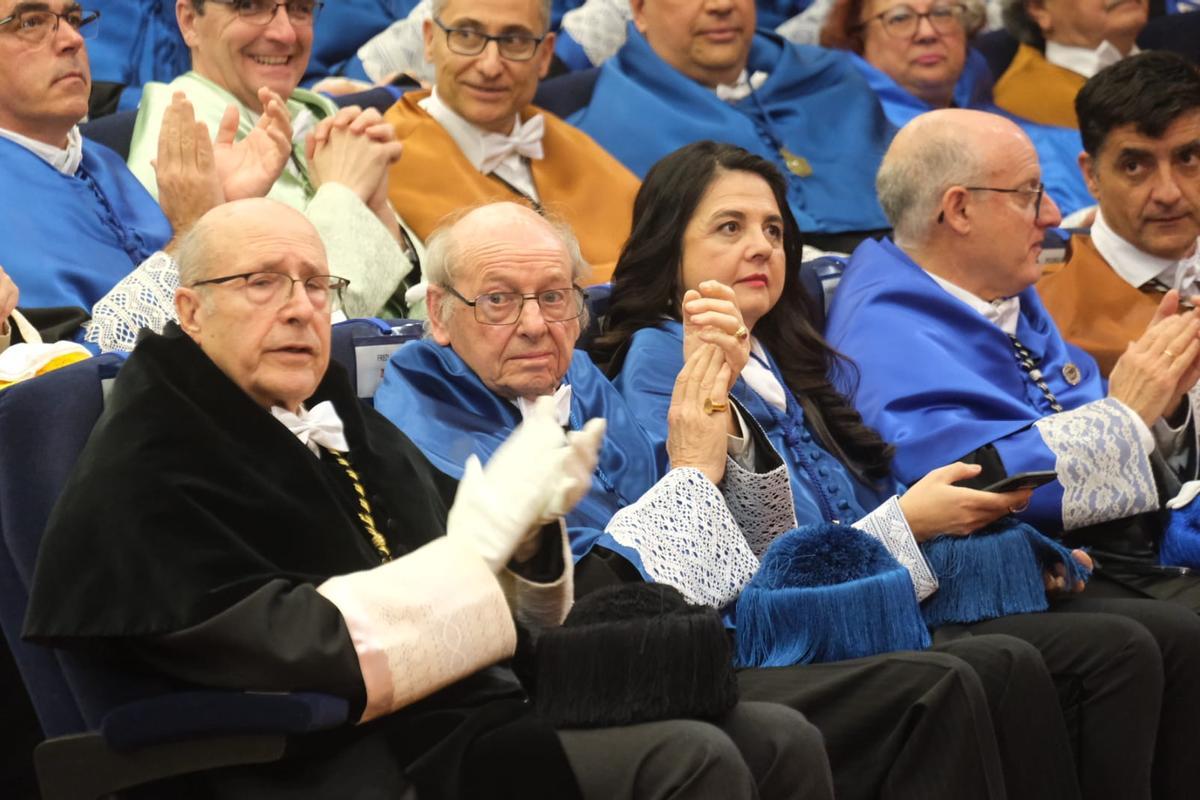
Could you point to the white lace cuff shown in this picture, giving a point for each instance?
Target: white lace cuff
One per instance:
(145, 298)
(761, 503)
(359, 248)
(888, 525)
(599, 27)
(687, 537)
(541, 605)
(1103, 462)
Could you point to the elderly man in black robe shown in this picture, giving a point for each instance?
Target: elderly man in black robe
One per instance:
(238, 520)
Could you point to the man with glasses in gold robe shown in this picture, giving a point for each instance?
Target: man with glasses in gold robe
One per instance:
(475, 138)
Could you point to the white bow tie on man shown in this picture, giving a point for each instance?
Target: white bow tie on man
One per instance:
(318, 427)
(525, 141)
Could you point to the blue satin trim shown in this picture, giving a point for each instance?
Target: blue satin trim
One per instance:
(431, 394)
(72, 237)
(823, 489)
(938, 380)
(1058, 148)
(814, 103)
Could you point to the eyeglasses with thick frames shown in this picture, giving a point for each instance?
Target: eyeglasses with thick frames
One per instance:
(470, 42)
(33, 26)
(261, 12)
(275, 288)
(504, 308)
(1038, 193)
(903, 21)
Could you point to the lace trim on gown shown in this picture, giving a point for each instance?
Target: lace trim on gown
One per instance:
(888, 525)
(1102, 464)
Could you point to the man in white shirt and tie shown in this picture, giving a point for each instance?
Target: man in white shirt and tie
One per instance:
(475, 138)
(1140, 121)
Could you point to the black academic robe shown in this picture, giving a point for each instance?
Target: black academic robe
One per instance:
(190, 539)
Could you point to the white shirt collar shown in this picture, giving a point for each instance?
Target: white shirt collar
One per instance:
(1082, 60)
(1004, 313)
(65, 160)
(742, 87)
(562, 405)
(1137, 268)
(759, 377)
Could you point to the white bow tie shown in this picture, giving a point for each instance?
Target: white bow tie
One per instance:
(525, 141)
(317, 427)
(1006, 314)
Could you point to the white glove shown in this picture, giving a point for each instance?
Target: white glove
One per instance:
(536, 476)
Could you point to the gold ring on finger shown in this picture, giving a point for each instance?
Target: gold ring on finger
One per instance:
(713, 406)
(741, 333)
(1168, 354)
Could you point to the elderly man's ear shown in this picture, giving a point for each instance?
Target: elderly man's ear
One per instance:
(435, 296)
(954, 209)
(187, 310)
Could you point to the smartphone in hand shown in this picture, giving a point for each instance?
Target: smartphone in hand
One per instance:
(1022, 480)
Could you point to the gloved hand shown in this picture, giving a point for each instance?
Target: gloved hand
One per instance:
(535, 477)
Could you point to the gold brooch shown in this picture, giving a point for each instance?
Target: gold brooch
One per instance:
(797, 165)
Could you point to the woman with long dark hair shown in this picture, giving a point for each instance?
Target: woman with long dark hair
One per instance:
(714, 256)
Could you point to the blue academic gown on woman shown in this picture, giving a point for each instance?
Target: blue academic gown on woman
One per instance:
(72, 237)
(439, 402)
(939, 381)
(823, 490)
(1058, 148)
(814, 105)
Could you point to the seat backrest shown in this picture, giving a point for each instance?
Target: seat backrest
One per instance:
(363, 347)
(114, 131)
(820, 278)
(566, 94)
(44, 424)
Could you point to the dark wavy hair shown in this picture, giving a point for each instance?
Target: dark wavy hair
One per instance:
(1150, 90)
(646, 285)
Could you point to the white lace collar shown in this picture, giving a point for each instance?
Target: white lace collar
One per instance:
(65, 160)
(1136, 267)
(1082, 60)
(1004, 312)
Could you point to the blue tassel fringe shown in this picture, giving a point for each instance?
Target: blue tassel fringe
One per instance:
(992, 573)
(826, 593)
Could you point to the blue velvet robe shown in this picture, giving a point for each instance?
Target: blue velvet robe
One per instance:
(71, 238)
(1058, 148)
(431, 394)
(823, 490)
(938, 380)
(814, 104)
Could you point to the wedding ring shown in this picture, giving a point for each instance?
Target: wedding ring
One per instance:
(1168, 354)
(1018, 509)
(741, 333)
(712, 407)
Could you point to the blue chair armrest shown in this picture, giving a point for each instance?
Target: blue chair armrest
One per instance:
(187, 715)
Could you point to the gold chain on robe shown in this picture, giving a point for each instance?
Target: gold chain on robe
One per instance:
(364, 513)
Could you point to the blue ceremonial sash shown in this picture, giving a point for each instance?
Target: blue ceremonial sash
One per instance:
(432, 395)
(823, 490)
(72, 237)
(814, 104)
(938, 380)
(139, 42)
(1058, 148)
(773, 13)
